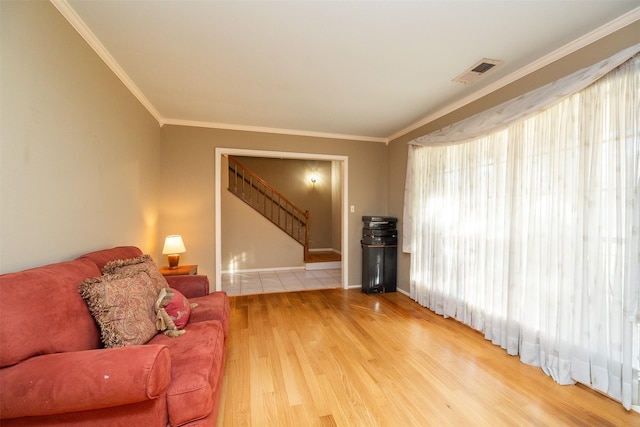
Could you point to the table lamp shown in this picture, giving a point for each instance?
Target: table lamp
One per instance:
(173, 247)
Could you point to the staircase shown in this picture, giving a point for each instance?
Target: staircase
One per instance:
(270, 203)
(323, 260)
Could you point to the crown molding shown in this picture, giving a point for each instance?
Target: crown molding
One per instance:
(579, 43)
(76, 22)
(279, 131)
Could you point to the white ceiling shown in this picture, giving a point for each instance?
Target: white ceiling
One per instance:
(368, 70)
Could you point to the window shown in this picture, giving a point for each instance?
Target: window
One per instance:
(531, 234)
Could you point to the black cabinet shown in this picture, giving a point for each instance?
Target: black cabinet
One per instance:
(379, 254)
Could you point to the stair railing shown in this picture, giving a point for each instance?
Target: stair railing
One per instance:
(269, 202)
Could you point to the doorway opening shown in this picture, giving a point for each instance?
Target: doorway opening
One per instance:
(342, 161)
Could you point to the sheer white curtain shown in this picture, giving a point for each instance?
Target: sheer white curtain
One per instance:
(532, 234)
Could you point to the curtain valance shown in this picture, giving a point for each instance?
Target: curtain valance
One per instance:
(502, 116)
(521, 108)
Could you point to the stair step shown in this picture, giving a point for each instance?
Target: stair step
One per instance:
(329, 265)
(322, 256)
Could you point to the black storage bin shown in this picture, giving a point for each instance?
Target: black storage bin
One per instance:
(379, 264)
(379, 254)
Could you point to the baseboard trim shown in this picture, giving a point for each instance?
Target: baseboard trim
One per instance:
(403, 292)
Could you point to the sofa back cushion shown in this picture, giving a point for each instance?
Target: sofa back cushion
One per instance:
(103, 257)
(42, 312)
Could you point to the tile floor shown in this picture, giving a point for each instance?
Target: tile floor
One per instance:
(262, 282)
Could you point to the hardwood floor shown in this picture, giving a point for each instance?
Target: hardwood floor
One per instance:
(344, 358)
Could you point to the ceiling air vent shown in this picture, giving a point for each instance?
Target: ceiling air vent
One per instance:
(477, 70)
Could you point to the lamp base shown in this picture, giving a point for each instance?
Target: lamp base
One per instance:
(173, 261)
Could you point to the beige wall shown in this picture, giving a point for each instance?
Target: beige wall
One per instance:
(397, 155)
(251, 242)
(79, 158)
(188, 184)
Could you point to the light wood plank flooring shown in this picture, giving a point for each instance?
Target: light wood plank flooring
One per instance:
(343, 358)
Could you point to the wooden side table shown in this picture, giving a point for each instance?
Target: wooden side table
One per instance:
(182, 270)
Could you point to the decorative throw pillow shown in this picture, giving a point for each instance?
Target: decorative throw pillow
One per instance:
(141, 263)
(122, 305)
(179, 309)
(172, 312)
(176, 306)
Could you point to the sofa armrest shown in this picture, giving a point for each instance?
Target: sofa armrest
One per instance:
(190, 286)
(82, 380)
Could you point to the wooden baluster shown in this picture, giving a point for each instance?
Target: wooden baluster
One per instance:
(235, 179)
(243, 182)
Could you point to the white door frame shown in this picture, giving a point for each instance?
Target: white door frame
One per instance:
(283, 155)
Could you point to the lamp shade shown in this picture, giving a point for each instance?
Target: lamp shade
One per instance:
(173, 245)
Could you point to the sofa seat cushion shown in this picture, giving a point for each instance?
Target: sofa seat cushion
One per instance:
(214, 306)
(197, 361)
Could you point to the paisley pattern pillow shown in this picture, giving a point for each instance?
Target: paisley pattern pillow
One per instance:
(141, 263)
(123, 307)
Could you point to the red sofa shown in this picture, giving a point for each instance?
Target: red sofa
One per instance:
(55, 371)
